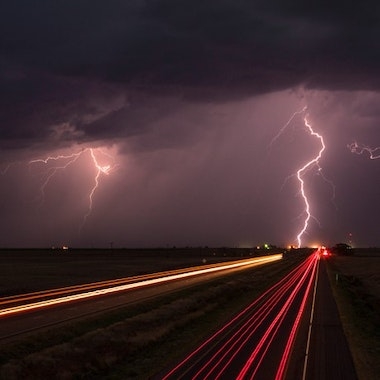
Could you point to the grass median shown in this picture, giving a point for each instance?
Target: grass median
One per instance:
(355, 282)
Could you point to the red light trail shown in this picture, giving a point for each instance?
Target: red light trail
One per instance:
(246, 346)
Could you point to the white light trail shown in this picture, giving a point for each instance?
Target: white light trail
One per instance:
(114, 289)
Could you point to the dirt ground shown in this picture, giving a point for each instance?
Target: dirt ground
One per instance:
(23, 271)
(366, 268)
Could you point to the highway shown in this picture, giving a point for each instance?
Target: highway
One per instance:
(324, 350)
(258, 342)
(26, 313)
(290, 332)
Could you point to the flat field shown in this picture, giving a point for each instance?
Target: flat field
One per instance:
(29, 270)
(356, 285)
(365, 268)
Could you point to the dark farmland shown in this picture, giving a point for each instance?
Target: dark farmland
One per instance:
(29, 270)
(137, 341)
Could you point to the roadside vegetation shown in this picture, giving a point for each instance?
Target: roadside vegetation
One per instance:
(356, 285)
(138, 341)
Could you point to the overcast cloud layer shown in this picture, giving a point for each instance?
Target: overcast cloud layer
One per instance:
(184, 100)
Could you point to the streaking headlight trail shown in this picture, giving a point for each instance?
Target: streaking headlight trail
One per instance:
(189, 272)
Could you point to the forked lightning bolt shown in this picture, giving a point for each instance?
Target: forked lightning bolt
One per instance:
(304, 169)
(64, 161)
(374, 153)
(100, 170)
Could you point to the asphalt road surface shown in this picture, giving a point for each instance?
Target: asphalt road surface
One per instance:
(329, 356)
(291, 332)
(256, 344)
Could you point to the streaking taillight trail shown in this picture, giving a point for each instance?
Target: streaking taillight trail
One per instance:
(257, 342)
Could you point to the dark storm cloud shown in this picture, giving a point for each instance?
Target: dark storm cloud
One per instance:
(207, 49)
(189, 94)
(265, 45)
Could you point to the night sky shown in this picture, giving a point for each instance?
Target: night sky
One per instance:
(184, 105)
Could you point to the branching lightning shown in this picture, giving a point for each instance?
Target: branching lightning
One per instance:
(374, 153)
(99, 171)
(314, 162)
(302, 171)
(286, 125)
(61, 162)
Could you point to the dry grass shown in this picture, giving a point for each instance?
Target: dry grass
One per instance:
(25, 271)
(97, 351)
(356, 287)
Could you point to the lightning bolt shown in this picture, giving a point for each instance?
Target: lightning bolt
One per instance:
(286, 125)
(61, 162)
(99, 171)
(361, 148)
(67, 161)
(300, 173)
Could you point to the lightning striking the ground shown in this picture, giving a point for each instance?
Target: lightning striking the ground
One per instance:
(302, 171)
(314, 162)
(374, 153)
(60, 162)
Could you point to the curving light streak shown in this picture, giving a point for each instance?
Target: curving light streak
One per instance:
(259, 328)
(61, 162)
(361, 148)
(133, 285)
